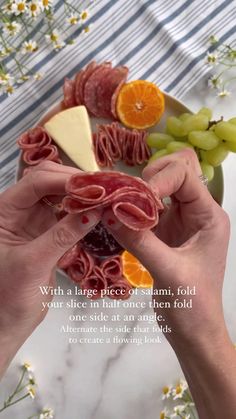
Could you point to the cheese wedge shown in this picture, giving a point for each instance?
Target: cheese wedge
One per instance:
(71, 131)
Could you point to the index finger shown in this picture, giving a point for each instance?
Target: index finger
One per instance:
(37, 184)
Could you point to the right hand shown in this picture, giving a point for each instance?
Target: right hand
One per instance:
(188, 248)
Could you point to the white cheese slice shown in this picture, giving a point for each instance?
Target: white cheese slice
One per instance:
(71, 131)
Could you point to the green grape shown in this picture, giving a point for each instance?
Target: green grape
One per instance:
(231, 146)
(232, 121)
(181, 139)
(176, 146)
(175, 127)
(207, 170)
(226, 131)
(159, 140)
(184, 116)
(196, 123)
(158, 154)
(205, 111)
(216, 156)
(206, 140)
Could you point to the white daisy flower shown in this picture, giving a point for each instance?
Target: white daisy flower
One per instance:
(213, 40)
(166, 392)
(7, 8)
(29, 46)
(19, 7)
(212, 59)
(84, 15)
(34, 8)
(52, 37)
(58, 45)
(6, 79)
(27, 366)
(86, 29)
(38, 76)
(215, 81)
(164, 414)
(224, 93)
(72, 20)
(46, 4)
(11, 28)
(32, 381)
(47, 413)
(8, 89)
(31, 391)
(179, 389)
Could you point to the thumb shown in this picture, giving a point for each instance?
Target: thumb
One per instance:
(54, 243)
(156, 256)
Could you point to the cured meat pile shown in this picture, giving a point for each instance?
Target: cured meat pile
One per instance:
(97, 87)
(131, 199)
(114, 142)
(94, 274)
(37, 146)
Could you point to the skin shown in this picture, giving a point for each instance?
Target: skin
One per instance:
(30, 234)
(188, 248)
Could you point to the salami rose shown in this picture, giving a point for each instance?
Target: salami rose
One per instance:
(37, 155)
(36, 137)
(111, 268)
(133, 201)
(95, 281)
(121, 289)
(81, 267)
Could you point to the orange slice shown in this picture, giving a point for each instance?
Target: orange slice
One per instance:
(134, 271)
(140, 104)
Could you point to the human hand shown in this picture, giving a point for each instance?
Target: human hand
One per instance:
(188, 247)
(31, 243)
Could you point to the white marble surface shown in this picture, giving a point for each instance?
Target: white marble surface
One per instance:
(115, 381)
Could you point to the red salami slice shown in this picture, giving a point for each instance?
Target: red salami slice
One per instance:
(121, 289)
(37, 155)
(81, 267)
(101, 150)
(113, 79)
(111, 268)
(91, 67)
(34, 138)
(95, 281)
(117, 91)
(91, 87)
(69, 257)
(78, 99)
(69, 93)
(132, 200)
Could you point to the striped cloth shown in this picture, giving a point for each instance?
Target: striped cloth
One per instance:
(162, 41)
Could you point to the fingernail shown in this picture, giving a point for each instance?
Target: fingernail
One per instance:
(111, 221)
(88, 220)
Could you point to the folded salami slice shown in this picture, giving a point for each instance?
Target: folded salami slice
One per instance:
(78, 98)
(85, 75)
(108, 90)
(69, 257)
(122, 289)
(95, 281)
(92, 100)
(34, 138)
(37, 155)
(81, 267)
(111, 268)
(69, 93)
(132, 200)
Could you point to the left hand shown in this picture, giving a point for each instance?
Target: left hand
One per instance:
(31, 243)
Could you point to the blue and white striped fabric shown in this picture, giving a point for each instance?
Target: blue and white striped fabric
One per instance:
(164, 41)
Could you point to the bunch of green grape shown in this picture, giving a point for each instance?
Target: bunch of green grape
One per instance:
(212, 141)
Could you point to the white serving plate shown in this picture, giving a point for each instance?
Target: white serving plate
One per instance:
(173, 107)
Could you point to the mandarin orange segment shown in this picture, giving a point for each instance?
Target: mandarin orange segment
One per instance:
(134, 271)
(140, 104)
